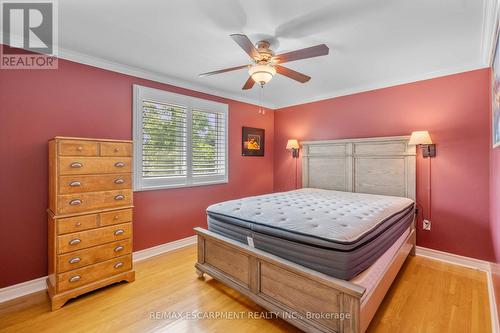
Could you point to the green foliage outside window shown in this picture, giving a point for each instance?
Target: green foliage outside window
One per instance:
(165, 141)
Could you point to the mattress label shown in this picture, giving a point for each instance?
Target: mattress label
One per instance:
(250, 241)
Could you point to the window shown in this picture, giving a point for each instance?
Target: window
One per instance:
(178, 140)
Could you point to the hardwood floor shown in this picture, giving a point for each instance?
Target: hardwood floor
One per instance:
(427, 296)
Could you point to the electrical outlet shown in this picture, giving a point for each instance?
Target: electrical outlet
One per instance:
(426, 225)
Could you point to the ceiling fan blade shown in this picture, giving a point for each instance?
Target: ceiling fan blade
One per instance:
(309, 52)
(249, 84)
(322, 17)
(246, 45)
(294, 75)
(223, 70)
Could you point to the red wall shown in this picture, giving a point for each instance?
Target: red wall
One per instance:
(79, 100)
(495, 212)
(83, 101)
(454, 109)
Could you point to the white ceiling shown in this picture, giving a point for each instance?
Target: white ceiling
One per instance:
(373, 43)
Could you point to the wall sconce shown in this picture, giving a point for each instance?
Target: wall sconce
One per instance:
(293, 145)
(423, 139)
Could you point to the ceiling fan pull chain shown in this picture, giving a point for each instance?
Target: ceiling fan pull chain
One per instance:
(262, 100)
(261, 109)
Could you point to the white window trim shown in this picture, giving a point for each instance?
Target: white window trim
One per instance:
(139, 94)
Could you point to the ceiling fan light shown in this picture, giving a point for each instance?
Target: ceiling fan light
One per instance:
(262, 74)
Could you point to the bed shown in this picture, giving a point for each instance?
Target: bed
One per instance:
(324, 256)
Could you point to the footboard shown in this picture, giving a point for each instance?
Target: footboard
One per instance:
(312, 301)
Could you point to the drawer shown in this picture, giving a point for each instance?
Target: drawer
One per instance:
(86, 239)
(116, 216)
(81, 202)
(93, 255)
(92, 183)
(77, 223)
(94, 165)
(116, 149)
(78, 148)
(88, 274)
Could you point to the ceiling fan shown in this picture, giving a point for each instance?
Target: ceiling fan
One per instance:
(265, 64)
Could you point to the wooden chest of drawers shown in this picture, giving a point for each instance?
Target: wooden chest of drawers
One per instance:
(90, 216)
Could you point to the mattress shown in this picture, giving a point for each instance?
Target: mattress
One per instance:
(336, 233)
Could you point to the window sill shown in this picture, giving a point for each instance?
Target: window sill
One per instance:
(177, 186)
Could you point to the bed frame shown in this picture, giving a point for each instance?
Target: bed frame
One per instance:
(312, 301)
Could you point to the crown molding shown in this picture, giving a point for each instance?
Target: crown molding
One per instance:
(148, 75)
(491, 12)
(98, 62)
(487, 44)
(113, 66)
(384, 84)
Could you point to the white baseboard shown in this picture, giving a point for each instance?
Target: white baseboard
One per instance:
(21, 289)
(470, 263)
(493, 304)
(454, 259)
(33, 286)
(36, 285)
(163, 248)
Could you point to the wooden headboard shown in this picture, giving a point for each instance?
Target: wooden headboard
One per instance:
(383, 165)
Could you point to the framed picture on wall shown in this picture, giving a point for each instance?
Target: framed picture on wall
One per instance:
(495, 76)
(252, 141)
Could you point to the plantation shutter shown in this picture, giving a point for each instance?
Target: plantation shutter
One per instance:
(164, 145)
(179, 140)
(208, 143)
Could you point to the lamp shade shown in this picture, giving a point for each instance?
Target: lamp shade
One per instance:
(262, 73)
(292, 144)
(420, 138)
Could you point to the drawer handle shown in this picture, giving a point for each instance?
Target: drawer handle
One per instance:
(75, 184)
(116, 217)
(75, 241)
(118, 265)
(75, 278)
(80, 148)
(116, 150)
(74, 260)
(76, 165)
(119, 181)
(78, 224)
(75, 202)
(119, 232)
(119, 248)
(119, 197)
(119, 164)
